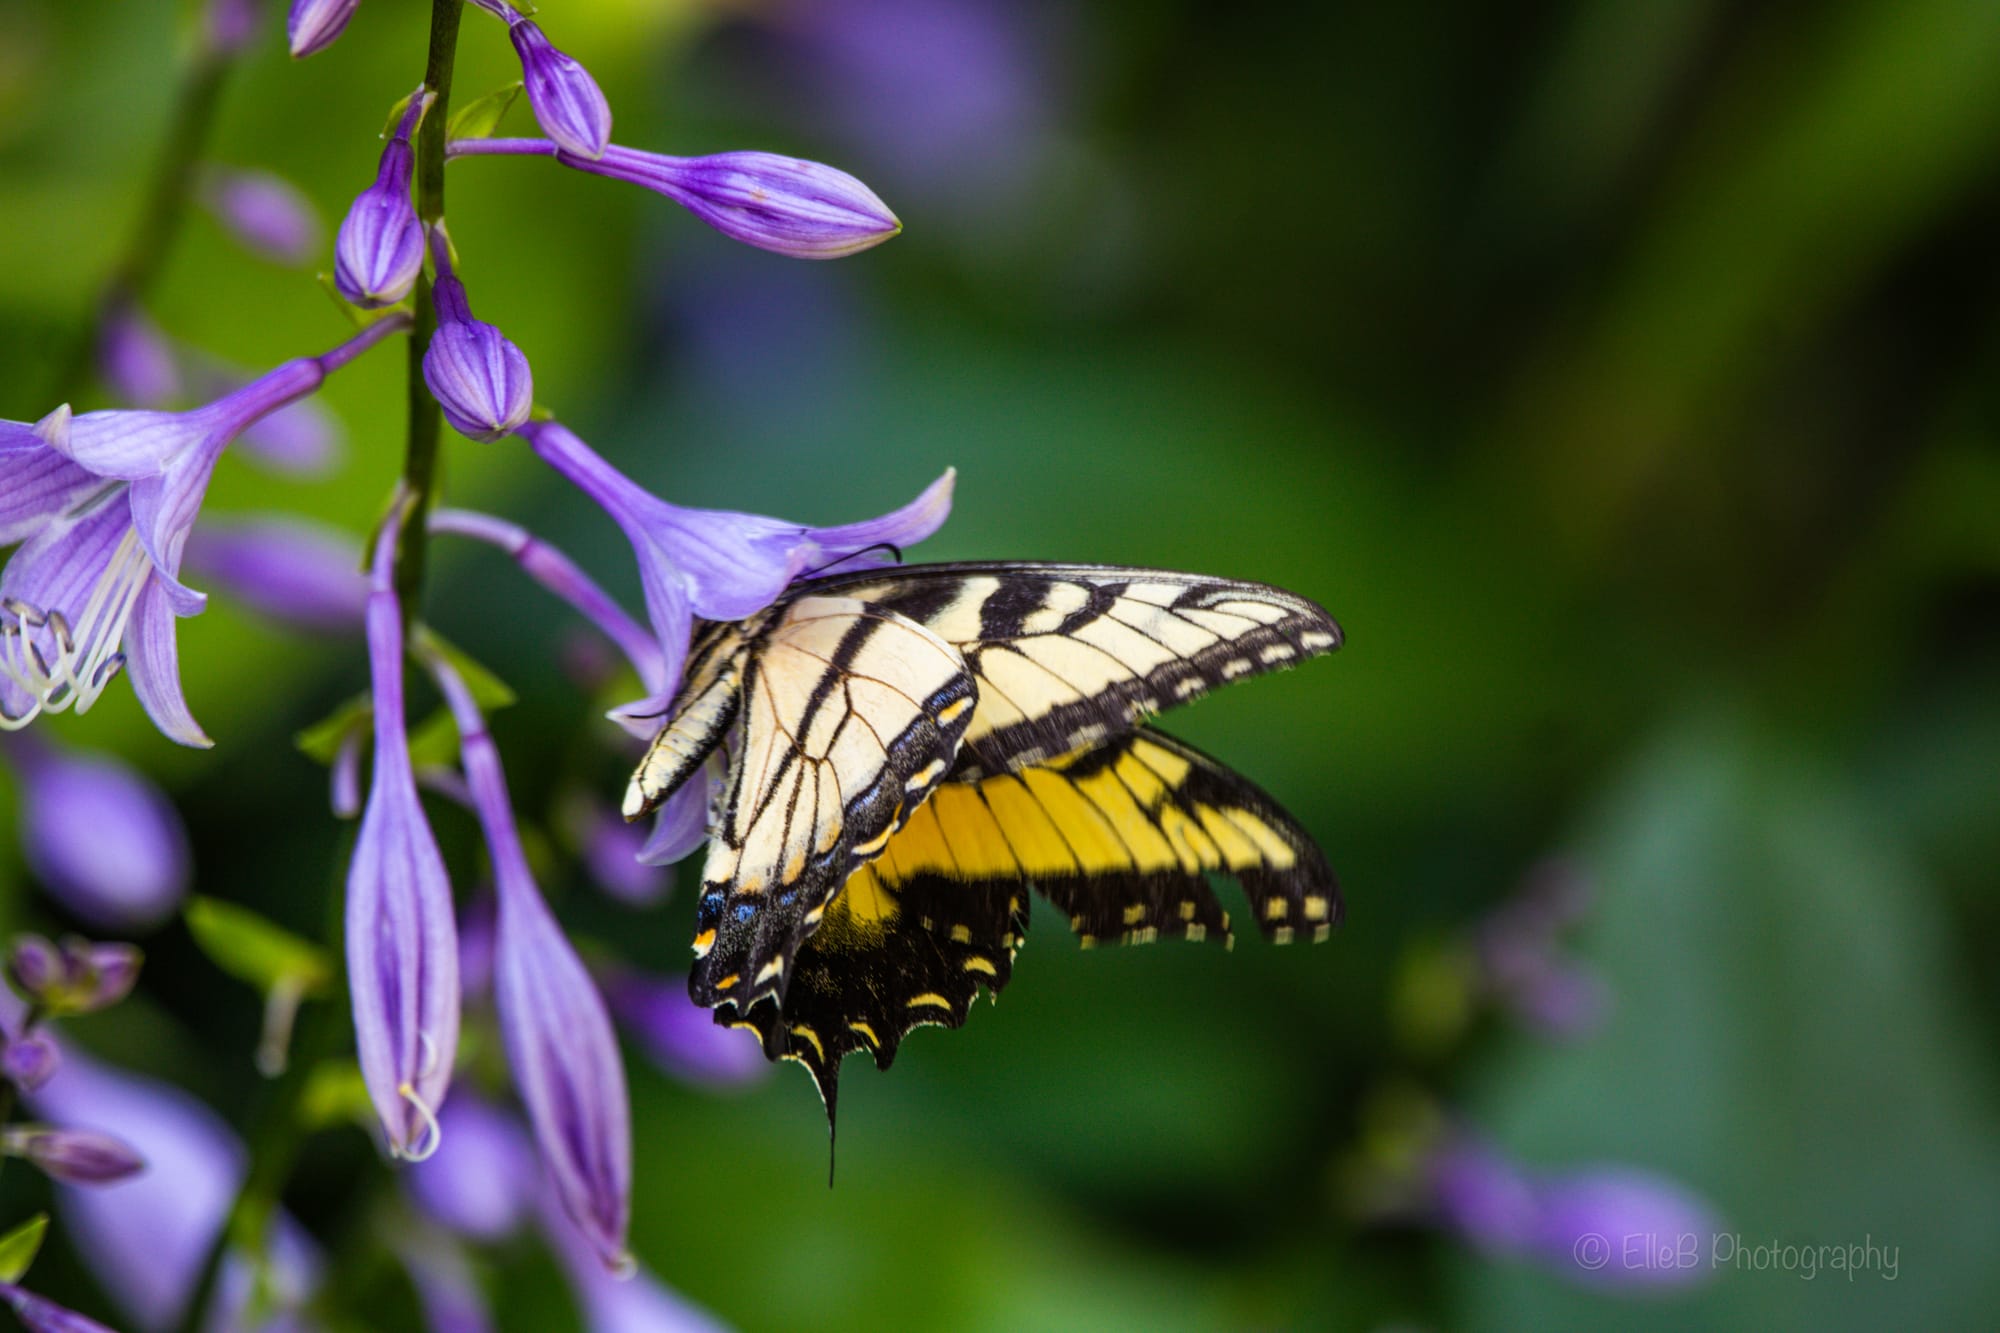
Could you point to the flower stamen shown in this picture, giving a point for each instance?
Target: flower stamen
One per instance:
(86, 655)
(433, 1132)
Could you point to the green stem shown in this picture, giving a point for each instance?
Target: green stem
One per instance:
(420, 458)
(160, 216)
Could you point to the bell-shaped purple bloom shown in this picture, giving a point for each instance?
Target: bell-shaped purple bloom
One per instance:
(75, 977)
(73, 1156)
(380, 249)
(135, 359)
(266, 214)
(714, 563)
(294, 572)
(313, 25)
(680, 1036)
(402, 945)
(794, 207)
(482, 1183)
(102, 839)
(95, 585)
(560, 1045)
(38, 1314)
(569, 106)
(478, 377)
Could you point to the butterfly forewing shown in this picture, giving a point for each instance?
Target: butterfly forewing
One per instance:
(1066, 655)
(703, 711)
(850, 715)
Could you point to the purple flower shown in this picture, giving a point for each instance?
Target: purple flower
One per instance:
(560, 1045)
(96, 583)
(28, 1061)
(266, 214)
(1522, 963)
(380, 249)
(314, 24)
(73, 1156)
(785, 204)
(1610, 1225)
(232, 25)
(446, 1287)
(102, 839)
(135, 359)
(716, 564)
(277, 1288)
(569, 106)
(297, 573)
(681, 826)
(478, 377)
(681, 1036)
(481, 1183)
(402, 946)
(147, 1237)
(625, 1302)
(40, 1315)
(74, 977)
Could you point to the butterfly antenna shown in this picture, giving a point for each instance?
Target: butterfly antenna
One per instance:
(895, 554)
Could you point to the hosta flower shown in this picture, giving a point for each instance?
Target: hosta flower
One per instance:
(1523, 965)
(681, 1036)
(785, 204)
(266, 214)
(481, 1184)
(135, 360)
(560, 1046)
(313, 25)
(294, 572)
(28, 1060)
(74, 977)
(568, 104)
(402, 945)
(102, 504)
(714, 563)
(611, 849)
(73, 1156)
(38, 1314)
(231, 25)
(103, 840)
(478, 377)
(624, 1302)
(380, 249)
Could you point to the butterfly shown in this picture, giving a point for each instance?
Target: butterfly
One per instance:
(905, 751)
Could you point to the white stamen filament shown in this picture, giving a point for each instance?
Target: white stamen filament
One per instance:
(87, 654)
(433, 1132)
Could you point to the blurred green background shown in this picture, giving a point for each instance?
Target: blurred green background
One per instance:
(1625, 378)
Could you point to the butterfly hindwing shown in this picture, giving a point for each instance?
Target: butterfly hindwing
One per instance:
(850, 715)
(1066, 655)
(1120, 838)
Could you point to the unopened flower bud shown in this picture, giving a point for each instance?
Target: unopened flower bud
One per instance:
(480, 379)
(28, 1061)
(568, 104)
(74, 977)
(74, 1156)
(314, 24)
(380, 249)
(267, 214)
(38, 1314)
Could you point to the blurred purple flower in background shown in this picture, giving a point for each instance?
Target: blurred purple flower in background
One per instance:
(1610, 1225)
(27, 1060)
(39, 1315)
(633, 1302)
(610, 849)
(102, 839)
(266, 214)
(77, 976)
(446, 1287)
(1521, 960)
(135, 359)
(312, 25)
(73, 1156)
(231, 25)
(480, 379)
(295, 572)
(402, 943)
(680, 1036)
(481, 1182)
(380, 249)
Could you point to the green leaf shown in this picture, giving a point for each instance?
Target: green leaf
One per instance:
(478, 119)
(434, 741)
(396, 115)
(322, 740)
(334, 1095)
(254, 950)
(488, 690)
(19, 1247)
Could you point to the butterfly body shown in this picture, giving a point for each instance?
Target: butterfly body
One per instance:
(908, 750)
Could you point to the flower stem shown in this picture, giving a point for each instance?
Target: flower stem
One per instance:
(160, 216)
(420, 458)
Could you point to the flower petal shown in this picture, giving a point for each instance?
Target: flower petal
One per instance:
(681, 826)
(153, 661)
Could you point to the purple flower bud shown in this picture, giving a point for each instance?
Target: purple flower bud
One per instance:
(75, 977)
(232, 25)
(102, 839)
(631, 1301)
(73, 1156)
(481, 1183)
(611, 850)
(267, 215)
(680, 1036)
(560, 1045)
(344, 777)
(478, 377)
(380, 249)
(40, 1315)
(28, 1061)
(785, 204)
(402, 947)
(297, 573)
(569, 106)
(1644, 1222)
(314, 24)
(135, 359)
